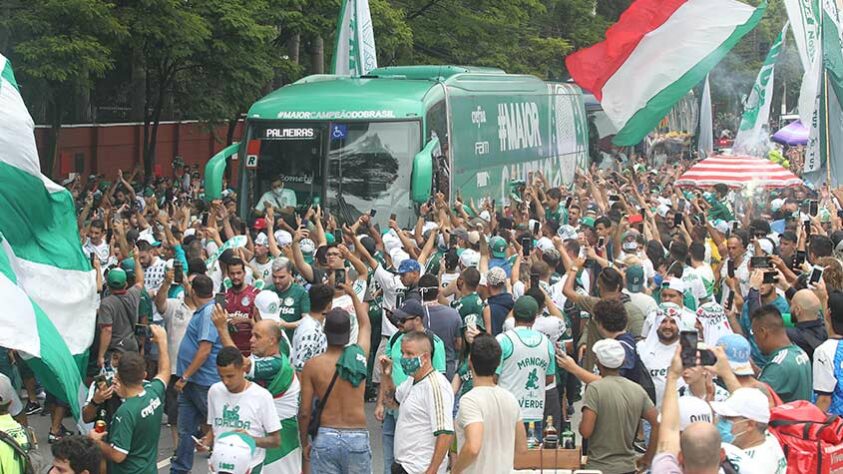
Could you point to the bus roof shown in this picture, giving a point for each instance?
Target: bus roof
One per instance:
(397, 92)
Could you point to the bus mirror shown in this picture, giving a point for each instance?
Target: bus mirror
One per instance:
(215, 169)
(421, 184)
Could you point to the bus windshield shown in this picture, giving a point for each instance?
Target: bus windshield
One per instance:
(351, 168)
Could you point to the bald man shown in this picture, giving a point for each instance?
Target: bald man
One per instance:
(809, 331)
(267, 367)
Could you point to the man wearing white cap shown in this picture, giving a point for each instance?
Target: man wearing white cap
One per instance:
(261, 263)
(232, 454)
(742, 421)
(673, 294)
(612, 409)
(657, 349)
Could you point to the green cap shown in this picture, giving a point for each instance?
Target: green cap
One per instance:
(498, 246)
(116, 278)
(330, 238)
(587, 221)
(526, 308)
(128, 266)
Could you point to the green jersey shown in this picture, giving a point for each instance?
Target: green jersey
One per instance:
(470, 308)
(294, 303)
(135, 429)
(560, 215)
(466, 379)
(789, 374)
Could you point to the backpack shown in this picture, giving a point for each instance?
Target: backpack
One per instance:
(20, 454)
(640, 375)
(812, 441)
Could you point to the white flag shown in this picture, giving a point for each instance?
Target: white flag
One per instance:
(705, 142)
(354, 51)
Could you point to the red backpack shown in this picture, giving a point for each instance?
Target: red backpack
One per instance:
(812, 441)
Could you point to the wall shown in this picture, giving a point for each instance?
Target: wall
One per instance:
(105, 148)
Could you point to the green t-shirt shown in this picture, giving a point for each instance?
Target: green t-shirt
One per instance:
(294, 303)
(560, 215)
(393, 351)
(352, 365)
(789, 374)
(464, 373)
(274, 373)
(470, 308)
(135, 429)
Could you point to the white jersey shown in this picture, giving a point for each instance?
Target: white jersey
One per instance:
(345, 302)
(527, 359)
(251, 410)
(656, 359)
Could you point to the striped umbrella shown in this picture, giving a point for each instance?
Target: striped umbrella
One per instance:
(738, 172)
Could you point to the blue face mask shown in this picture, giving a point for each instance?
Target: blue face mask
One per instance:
(724, 426)
(410, 365)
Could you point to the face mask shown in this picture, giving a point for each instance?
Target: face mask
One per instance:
(410, 365)
(278, 191)
(724, 426)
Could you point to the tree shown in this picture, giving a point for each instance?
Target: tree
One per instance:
(59, 47)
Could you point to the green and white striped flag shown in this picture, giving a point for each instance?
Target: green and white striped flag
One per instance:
(354, 50)
(47, 286)
(752, 137)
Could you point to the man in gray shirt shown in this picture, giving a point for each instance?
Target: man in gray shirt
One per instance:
(118, 313)
(444, 321)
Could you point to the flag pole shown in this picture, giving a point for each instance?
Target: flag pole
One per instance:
(827, 134)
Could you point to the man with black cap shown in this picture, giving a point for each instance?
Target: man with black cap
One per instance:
(410, 317)
(336, 378)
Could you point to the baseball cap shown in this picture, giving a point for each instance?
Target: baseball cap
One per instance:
(128, 266)
(566, 232)
(497, 245)
(307, 246)
(410, 309)
(587, 221)
(635, 278)
(148, 238)
(232, 453)
(674, 284)
(776, 204)
(409, 265)
(8, 396)
(469, 258)
(261, 239)
(609, 352)
(398, 256)
(283, 238)
(544, 244)
(461, 234)
(745, 402)
(116, 278)
(260, 223)
(721, 226)
(268, 305)
(737, 351)
(496, 277)
(337, 327)
(692, 410)
(473, 237)
(329, 237)
(526, 307)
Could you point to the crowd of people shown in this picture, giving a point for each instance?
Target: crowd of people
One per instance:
(261, 338)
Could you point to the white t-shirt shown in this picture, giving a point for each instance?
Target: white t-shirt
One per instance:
(498, 410)
(176, 318)
(742, 274)
(446, 280)
(390, 284)
(102, 251)
(657, 359)
(694, 282)
(345, 302)
(425, 411)
(556, 289)
(251, 410)
(264, 270)
(768, 456)
(824, 379)
(308, 341)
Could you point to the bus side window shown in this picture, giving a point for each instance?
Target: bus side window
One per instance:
(437, 126)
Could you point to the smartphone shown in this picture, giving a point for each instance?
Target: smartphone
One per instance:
(801, 256)
(219, 299)
(568, 201)
(807, 225)
(372, 212)
(759, 262)
(815, 277)
(536, 228)
(688, 351)
(399, 300)
(840, 213)
(337, 236)
(339, 278)
(730, 268)
(729, 301)
(452, 241)
(393, 217)
(526, 246)
(600, 241)
(707, 357)
(142, 330)
(305, 223)
(813, 208)
(178, 272)
(205, 219)
(93, 258)
(771, 277)
(534, 280)
(101, 380)
(677, 219)
(199, 442)
(735, 225)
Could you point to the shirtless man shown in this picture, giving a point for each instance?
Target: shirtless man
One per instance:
(342, 442)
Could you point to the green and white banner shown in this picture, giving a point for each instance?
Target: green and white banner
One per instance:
(47, 285)
(753, 137)
(354, 51)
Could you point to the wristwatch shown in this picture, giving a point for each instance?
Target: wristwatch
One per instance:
(574, 269)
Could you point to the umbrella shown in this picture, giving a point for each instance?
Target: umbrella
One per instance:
(793, 134)
(738, 172)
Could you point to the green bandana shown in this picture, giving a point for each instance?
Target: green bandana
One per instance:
(351, 365)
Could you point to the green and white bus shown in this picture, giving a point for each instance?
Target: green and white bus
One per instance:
(389, 140)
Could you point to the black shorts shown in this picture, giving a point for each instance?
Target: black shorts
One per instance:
(53, 400)
(171, 401)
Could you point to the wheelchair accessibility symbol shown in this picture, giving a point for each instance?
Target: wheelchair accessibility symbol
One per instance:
(338, 131)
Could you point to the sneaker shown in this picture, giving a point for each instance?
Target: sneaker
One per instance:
(52, 438)
(32, 408)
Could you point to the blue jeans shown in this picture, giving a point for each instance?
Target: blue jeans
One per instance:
(193, 411)
(388, 441)
(341, 451)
